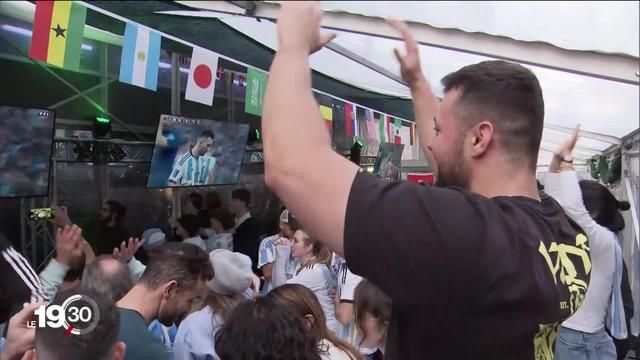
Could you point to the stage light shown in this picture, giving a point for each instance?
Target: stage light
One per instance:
(101, 128)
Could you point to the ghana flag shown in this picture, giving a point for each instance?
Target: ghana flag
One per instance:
(58, 27)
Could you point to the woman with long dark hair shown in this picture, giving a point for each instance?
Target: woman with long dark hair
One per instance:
(304, 302)
(372, 312)
(592, 206)
(264, 329)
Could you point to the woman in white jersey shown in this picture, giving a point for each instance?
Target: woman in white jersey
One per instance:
(312, 273)
(595, 209)
(304, 302)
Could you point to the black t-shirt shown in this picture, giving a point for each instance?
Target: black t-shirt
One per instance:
(110, 237)
(470, 277)
(246, 240)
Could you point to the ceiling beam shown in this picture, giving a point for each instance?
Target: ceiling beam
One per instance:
(612, 67)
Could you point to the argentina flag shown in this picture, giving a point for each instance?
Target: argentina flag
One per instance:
(140, 57)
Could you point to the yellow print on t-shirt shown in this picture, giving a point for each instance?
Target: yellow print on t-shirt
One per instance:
(568, 275)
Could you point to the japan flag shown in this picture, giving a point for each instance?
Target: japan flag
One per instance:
(202, 78)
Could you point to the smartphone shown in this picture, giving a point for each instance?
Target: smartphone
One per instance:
(41, 214)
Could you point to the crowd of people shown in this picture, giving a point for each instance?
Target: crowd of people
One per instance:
(484, 265)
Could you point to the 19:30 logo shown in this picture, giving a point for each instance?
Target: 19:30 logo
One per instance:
(78, 315)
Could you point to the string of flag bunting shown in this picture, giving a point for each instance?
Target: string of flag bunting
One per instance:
(58, 28)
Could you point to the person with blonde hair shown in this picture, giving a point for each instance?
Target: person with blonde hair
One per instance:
(313, 271)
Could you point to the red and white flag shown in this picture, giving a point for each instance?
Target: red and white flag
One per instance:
(202, 76)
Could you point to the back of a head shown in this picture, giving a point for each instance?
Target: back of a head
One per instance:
(224, 216)
(242, 194)
(264, 329)
(107, 276)
(196, 200)
(184, 263)
(602, 205)
(212, 200)
(118, 208)
(509, 96)
(304, 302)
(191, 224)
(97, 344)
(369, 299)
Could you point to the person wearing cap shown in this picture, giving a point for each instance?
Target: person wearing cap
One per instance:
(232, 283)
(267, 250)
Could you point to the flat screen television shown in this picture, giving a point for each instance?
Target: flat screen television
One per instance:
(388, 162)
(196, 152)
(26, 143)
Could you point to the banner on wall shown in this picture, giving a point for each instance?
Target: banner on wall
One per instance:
(256, 87)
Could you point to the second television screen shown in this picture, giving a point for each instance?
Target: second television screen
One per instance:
(196, 152)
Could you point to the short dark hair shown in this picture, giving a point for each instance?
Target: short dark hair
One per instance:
(208, 134)
(510, 96)
(242, 194)
(224, 216)
(212, 199)
(600, 201)
(182, 262)
(116, 207)
(108, 276)
(196, 200)
(275, 331)
(191, 224)
(98, 344)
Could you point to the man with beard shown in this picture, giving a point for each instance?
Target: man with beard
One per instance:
(174, 278)
(195, 167)
(112, 230)
(480, 266)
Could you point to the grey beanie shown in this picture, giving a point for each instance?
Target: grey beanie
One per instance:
(232, 272)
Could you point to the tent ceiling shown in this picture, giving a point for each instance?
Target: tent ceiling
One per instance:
(612, 25)
(601, 106)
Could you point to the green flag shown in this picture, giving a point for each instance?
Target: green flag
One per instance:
(382, 126)
(254, 97)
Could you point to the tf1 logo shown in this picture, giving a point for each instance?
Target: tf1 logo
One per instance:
(78, 315)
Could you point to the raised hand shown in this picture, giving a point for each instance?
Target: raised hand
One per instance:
(20, 338)
(60, 216)
(564, 151)
(410, 68)
(299, 27)
(283, 241)
(68, 244)
(126, 250)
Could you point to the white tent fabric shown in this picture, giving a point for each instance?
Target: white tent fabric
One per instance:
(600, 106)
(612, 27)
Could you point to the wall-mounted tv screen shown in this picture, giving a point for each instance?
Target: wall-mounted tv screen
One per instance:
(26, 138)
(196, 152)
(387, 163)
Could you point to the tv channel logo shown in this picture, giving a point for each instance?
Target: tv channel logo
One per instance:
(78, 315)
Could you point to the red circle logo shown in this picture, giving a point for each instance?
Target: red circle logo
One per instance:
(202, 76)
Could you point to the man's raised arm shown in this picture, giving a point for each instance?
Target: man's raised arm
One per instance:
(300, 165)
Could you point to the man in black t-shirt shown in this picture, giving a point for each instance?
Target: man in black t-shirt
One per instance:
(112, 231)
(481, 266)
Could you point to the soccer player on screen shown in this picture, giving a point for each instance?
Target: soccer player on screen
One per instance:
(195, 167)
